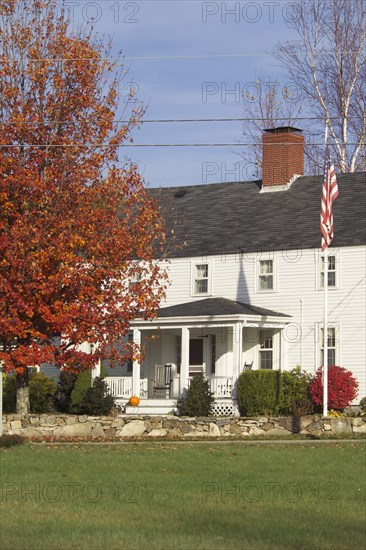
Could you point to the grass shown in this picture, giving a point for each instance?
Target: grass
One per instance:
(192, 496)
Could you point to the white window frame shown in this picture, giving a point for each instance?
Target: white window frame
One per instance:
(335, 327)
(320, 271)
(273, 274)
(267, 349)
(335, 271)
(194, 265)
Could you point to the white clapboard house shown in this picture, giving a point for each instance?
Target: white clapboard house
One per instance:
(247, 288)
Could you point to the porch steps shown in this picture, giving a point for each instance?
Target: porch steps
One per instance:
(152, 407)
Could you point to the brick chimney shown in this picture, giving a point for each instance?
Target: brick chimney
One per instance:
(283, 157)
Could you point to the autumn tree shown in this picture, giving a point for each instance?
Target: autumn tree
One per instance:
(76, 225)
(326, 69)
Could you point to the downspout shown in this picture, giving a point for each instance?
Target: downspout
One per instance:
(301, 329)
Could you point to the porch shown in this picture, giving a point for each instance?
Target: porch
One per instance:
(216, 337)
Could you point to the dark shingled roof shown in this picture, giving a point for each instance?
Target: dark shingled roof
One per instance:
(216, 306)
(227, 217)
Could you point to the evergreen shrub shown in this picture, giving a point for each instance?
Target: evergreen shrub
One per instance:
(198, 399)
(97, 399)
(258, 392)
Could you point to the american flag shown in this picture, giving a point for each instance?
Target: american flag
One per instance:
(329, 194)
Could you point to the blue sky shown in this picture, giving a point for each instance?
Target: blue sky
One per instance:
(184, 58)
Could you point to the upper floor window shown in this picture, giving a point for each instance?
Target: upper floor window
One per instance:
(201, 281)
(331, 272)
(266, 275)
(135, 279)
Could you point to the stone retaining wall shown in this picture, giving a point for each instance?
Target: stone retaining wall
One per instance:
(65, 426)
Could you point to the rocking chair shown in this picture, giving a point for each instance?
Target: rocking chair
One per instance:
(162, 380)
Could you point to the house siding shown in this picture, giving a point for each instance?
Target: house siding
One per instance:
(297, 294)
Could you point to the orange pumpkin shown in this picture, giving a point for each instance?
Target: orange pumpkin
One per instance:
(134, 401)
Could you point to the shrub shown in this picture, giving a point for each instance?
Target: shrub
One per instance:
(8, 440)
(342, 388)
(81, 385)
(97, 400)
(259, 392)
(9, 393)
(65, 385)
(42, 392)
(363, 406)
(295, 398)
(198, 399)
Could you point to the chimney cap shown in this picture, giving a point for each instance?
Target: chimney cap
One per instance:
(283, 130)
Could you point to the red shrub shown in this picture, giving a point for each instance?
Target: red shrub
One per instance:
(342, 387)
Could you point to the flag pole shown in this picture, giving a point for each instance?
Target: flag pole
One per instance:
(325, 324)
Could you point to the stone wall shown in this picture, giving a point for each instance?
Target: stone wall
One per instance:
(65, 426)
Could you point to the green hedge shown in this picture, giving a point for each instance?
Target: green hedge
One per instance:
(271, 392)
(258, 392)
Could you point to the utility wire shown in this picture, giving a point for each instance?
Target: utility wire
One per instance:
(158, 57)
(173, 120)
(106, 145)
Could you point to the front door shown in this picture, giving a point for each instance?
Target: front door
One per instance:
(195, 355)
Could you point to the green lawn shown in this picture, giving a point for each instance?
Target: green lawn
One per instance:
(173, 496)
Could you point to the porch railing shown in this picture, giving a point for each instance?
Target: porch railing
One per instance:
(121, 386)
(220, 386)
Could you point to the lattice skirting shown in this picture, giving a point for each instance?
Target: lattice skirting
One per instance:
(223, 408)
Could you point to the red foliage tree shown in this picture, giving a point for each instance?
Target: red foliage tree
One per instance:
(75, 225)
(342, 387)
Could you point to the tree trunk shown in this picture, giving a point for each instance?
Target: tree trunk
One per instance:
(22, 393)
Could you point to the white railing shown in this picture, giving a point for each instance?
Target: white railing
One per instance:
(221, 386)
(121, 386)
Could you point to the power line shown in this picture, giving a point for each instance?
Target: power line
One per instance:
(159, 57)
(174, 120)
(106, 145)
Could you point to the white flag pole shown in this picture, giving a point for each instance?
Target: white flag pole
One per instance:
(325, 325)
(325, 336)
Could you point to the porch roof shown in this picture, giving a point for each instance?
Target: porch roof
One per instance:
(213, 307)
(213, 310)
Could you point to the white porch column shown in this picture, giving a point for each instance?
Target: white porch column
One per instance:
(184, 366)
(96, 370)
(136, 367)
(237, 351)
(283, 349)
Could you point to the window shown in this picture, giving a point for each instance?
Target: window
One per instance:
(201, 282)
(331, 272)
(266, 275)
(266, 349)
(134, 280)
(331, 346)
